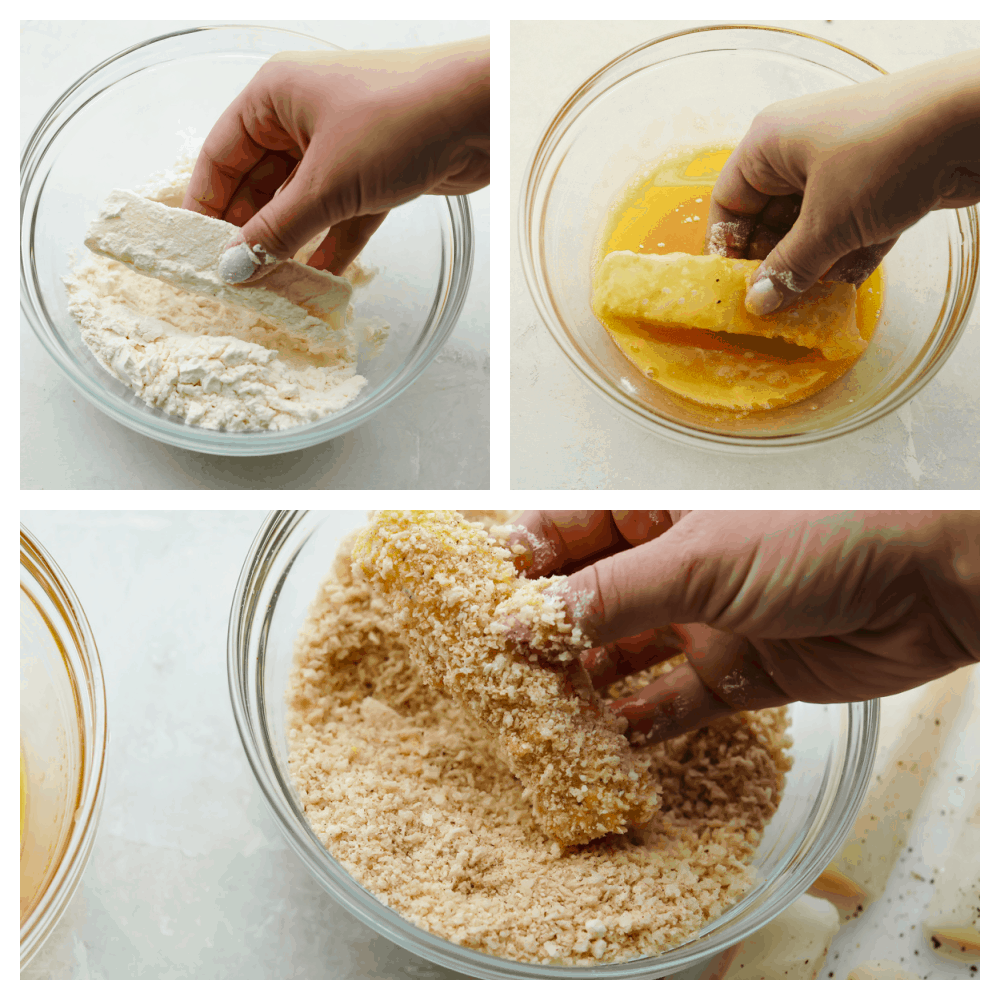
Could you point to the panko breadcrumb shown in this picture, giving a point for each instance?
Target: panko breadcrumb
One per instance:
(452, 587)
(405, 791)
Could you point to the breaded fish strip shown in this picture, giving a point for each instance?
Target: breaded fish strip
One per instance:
(453, 589)
(707, 293)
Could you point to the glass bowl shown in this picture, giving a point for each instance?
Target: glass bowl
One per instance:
(833, 756)
(610, 129)
(63, 740)
(157, 96)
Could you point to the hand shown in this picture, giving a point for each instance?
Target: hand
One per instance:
(823, 185)
(769, 607)
(331, 141)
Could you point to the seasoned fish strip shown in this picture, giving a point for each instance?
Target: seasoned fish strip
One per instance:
(707, 293)
(452, 587)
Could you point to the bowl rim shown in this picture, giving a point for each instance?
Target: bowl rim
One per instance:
(457, 252)
(87, 677)
(530, 239)
(246, 646)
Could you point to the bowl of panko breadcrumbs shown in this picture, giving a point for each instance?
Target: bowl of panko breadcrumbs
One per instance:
(402, 809)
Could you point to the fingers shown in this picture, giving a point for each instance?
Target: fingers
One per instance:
(960, 187)
(259, 186)
(778, 217)
(778, 283)
(723, 675)
(857, 266)
(230, 152)
(727, 234)
(608, 664)
(344, 242)
(558, 541)
(790, 269)
(544, 541)
(674, 704)
(736, 204)
(718, 567)
(282, 225)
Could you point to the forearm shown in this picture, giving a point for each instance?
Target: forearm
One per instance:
(453, 88)
(954, 576)
(932, 112)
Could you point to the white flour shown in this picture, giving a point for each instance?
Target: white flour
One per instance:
(200, 359)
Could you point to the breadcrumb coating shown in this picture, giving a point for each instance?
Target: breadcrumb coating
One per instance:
(453, 592)
(404, 789)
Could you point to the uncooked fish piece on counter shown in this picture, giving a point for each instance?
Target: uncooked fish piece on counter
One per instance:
(880, 968)
(951, 924)
(184, 248)
(792, 946)
(707, 293)
(914, 726)
(451, 587)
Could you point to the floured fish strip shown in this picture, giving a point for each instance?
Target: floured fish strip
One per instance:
(184, 248)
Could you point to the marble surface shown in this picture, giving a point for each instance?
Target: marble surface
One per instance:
(436, 435)
(190, 877)
(932, 442)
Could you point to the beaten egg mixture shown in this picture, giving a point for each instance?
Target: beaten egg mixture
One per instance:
(664, 210)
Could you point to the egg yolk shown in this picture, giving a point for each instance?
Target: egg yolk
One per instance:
(666, 210)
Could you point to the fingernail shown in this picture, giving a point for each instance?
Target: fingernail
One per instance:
(763, 297)
(238, 264)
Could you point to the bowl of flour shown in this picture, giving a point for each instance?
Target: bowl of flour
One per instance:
(402, 814)
(195, 370)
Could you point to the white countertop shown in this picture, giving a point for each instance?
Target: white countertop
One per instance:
(932, 442)
(190, 877)
(68, 444)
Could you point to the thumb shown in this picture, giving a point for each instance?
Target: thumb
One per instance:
(668, 579)
(299, 210)
(806, 252)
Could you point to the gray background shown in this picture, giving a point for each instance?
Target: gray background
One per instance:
(68, 444)
(932, 442)
(189, 876)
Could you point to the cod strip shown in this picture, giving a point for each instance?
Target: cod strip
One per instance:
(951, 924)
(183, 249)
(707, 293)
(880, 968)
(792, 946)
(453, 590)
(913, 728)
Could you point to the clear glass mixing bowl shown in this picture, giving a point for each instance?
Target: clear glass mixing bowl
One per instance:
(63, 741)
(147, 100)
(693, 89)
(833, 757)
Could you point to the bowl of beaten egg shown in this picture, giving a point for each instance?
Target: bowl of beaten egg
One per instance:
(628, 164)
(63, 742)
